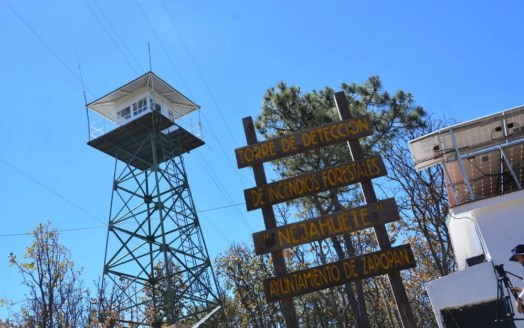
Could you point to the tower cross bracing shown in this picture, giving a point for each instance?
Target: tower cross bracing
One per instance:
(155, 250)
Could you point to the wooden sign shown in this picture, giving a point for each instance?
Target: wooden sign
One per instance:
(307, 184)
(308, 139)
(389, 260)
(334, 224)
(340, 272)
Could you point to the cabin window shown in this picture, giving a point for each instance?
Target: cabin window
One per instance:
(153, 105)
(139, 106)
(124, 114)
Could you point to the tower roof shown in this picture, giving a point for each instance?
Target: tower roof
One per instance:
(105, 105)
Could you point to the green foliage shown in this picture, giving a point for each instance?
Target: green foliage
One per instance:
(240, 273)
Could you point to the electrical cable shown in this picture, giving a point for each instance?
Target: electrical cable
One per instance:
(163, 47)
(50, 190)
(224, 191)
(219, 142)
(199, 72)
(110, 36)
(105, 225)
(69, 70)
(202, 160)
(80, 80)
(234, 205)
(208, 89)
(118, 36)
(216, 228)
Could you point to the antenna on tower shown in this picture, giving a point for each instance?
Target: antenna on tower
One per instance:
(83, 91)
(149, 50)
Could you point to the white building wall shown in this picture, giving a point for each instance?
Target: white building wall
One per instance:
(500, 222)
(500, 227)
(142, 93)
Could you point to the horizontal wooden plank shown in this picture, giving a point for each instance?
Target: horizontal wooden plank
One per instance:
(338, 273)
(301, 141)
(308, 184)
(325, 226)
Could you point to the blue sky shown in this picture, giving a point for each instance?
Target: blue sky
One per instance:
(461, 60)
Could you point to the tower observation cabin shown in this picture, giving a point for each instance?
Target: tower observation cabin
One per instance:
(155, 251)
(126, 115)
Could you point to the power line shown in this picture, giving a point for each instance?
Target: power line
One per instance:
(208, 89)
(27, 176)
(58, 230)
(220, 207)
(44, 43)
(216, 228)
(118, 36)
(79, 79)
(111, 36)
(200, 73)
(209, 126)
(163, 47)
(220, 145)
(202, 161)
(224, 191)
(105, 225)
(50, 190)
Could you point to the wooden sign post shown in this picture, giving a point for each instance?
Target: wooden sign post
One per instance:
(388, 260)
(288, 307)
(399, 292)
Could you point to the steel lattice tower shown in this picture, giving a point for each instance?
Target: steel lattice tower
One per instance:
(155, 251)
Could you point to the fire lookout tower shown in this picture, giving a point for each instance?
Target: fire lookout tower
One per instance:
(155, 252)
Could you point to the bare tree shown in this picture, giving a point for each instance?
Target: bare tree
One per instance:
(56, 296)
(421, 197)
